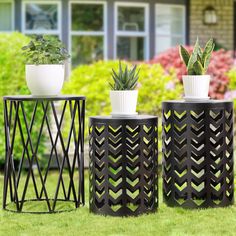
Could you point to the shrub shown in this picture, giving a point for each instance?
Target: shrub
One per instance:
(12, 81)
(93, 80)
(221, 63)
(231, 93)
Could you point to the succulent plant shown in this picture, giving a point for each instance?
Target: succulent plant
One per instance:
(197, 63)
(124, 79)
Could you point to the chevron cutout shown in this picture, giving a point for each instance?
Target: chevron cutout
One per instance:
(123, 173)
(197, 155)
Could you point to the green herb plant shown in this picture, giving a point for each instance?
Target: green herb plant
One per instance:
(125, 79)
(45, 50)
(198, 61)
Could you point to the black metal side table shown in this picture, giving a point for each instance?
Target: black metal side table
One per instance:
(123, 165)
(198, 154)
(30, 121)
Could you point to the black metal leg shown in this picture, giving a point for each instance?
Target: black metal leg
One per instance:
(16, 123)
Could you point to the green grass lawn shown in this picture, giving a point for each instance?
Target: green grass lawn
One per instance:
(167, 221)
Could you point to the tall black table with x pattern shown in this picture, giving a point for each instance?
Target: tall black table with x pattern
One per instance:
(198, 153)
(23, 140)
(123, 165)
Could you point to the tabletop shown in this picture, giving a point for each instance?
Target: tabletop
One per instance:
(48, 98)
(200, 104)
(126, 118)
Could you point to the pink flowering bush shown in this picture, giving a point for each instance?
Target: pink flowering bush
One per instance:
(221, 63)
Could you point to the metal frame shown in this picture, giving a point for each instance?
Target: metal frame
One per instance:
(157, 35)
(123, 165)
(89, 33)
(198, 154)
(57, 32)
(14, 107)
(143, 34)
(13, 15)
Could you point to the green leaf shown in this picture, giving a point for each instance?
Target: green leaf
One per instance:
(125, 79)
(207, 61)
(198, 68)
(193, 57)
(207, 52)
(184, 54)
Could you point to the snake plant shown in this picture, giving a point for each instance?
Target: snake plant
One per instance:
(198, 61)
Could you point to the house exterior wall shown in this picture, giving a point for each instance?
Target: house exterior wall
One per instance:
(223, 31)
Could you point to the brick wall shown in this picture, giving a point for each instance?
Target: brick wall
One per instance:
(222, 31)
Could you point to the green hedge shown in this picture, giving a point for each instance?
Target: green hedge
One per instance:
(154, 86)
(12, 82)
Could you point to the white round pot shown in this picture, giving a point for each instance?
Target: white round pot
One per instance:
(45, 80)
(196, 86)
(124, 102)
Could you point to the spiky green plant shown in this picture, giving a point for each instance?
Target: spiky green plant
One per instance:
(124, 79)
(197, 63)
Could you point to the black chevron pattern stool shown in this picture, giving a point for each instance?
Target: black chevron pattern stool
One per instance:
(123, 165)
(198, 154)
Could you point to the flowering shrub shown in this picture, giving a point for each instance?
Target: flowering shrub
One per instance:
(220, 65)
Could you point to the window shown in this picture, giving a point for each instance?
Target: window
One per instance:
(170, 26)
(87, 32)
(6, 16)
(41, 17)
(131, 31)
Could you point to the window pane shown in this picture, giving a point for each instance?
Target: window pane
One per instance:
(86, 49)
(131, 18)
(41, 16)
(169, 20)
(130, 48)
(5, 16)
(87, 17)
(164, 43)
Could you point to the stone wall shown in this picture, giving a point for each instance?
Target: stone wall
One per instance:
(222, 31)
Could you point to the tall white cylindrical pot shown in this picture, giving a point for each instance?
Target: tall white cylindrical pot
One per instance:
(124, 102)
(45, 80)
(196, 86)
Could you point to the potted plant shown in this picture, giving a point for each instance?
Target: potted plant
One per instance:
(123, 94)
(196, 83)
(45, 65)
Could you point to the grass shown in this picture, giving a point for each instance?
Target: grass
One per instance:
(167, 221)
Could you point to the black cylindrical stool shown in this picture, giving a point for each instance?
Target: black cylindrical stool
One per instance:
(30, 122)
(198, 153)
(123, 165)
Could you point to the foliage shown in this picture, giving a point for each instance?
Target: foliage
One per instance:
(12, 82)
(45, 50)
(154, 87)
(231, 93)
(125, 79)
(198, 61)
(220, 64)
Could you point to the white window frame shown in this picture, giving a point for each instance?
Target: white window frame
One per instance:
(145, 34)
(170, 35)
(12, 15)
(50, 32)
(89, 33)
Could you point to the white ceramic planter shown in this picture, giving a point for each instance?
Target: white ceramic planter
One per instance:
(124, 102)
(196, 86)
(45, 80)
